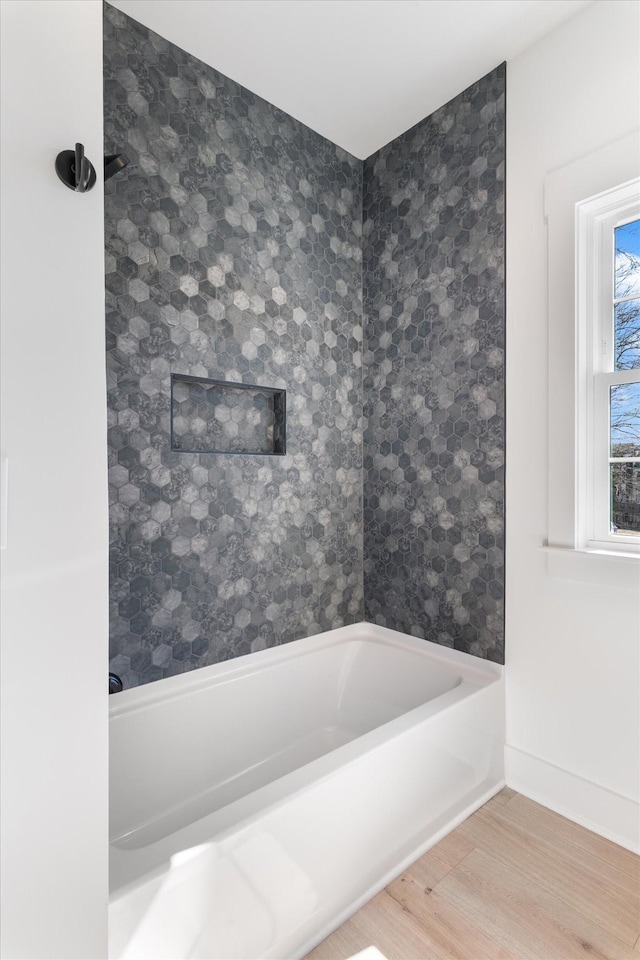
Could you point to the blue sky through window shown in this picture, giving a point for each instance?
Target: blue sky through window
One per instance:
(628, 238)
(627, 295)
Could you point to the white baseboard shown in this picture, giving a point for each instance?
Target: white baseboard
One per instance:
(607, 813)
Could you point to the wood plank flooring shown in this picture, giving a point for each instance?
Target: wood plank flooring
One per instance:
(513, 882)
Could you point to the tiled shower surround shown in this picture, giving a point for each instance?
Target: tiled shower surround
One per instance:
(234, 253)
(433, 225)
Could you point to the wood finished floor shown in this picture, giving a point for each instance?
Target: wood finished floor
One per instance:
(513, 882)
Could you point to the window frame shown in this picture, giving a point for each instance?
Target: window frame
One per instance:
(595, 222)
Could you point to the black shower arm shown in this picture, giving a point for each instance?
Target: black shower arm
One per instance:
(114, 164)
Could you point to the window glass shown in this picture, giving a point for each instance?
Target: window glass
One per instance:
(608, 354)
(625, 498)
(627, 296)
(625, 420)
(624, 443)
(627, 335)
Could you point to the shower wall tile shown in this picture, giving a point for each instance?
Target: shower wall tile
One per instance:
(233, 252)
(433, 261)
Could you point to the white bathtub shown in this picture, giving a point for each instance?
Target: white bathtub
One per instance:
(257, 803)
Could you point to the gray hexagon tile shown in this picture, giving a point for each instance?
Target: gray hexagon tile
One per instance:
(233, 253)
(434, 375)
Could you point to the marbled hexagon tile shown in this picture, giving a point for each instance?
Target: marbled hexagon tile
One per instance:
(233, 253)
(434, 375)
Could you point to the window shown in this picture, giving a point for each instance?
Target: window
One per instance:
(608, 370)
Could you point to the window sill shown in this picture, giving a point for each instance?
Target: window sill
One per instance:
(606, 568)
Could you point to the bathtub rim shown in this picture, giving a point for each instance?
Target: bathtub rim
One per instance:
(473, 680)
(327, 765)
(234, 818)
(470, 675)
(146, 695)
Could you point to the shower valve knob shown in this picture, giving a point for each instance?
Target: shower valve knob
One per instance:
(75, 170)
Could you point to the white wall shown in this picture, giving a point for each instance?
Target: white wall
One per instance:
(573, 726)
(54, 581)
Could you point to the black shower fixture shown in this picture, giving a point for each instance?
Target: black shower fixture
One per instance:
(78, 173)
(75, 170)
(114, 164)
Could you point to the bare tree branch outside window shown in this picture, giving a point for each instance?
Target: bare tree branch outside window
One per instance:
(625, 397)
(625, 400)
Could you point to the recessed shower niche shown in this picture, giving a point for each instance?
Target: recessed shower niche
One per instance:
(216, 416)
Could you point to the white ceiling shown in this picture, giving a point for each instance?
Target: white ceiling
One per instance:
(359, 72)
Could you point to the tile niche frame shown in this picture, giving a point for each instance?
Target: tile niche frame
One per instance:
(276, 397)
